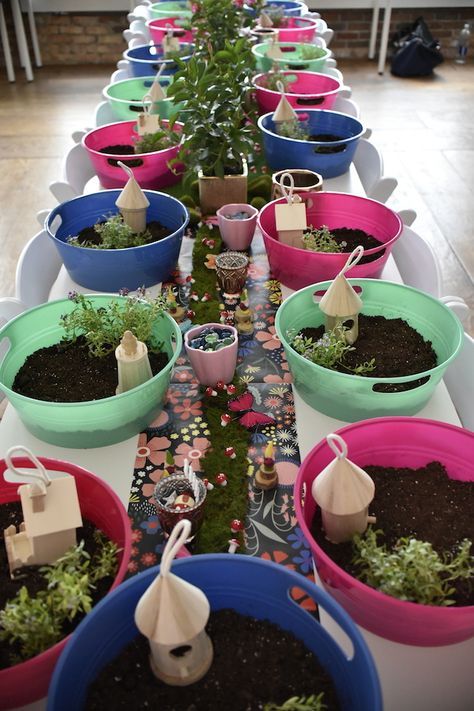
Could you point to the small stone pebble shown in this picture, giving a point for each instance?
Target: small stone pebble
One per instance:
(238, 216)
(212, 339)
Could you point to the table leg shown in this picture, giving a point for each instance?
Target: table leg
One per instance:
(6, 46)
(384, 40)
(373, 30)
(34, 35)
(21, 39)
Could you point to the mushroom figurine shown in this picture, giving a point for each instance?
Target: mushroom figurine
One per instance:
(173, 614)
(132, 361)
(341, 304)
(290, 216)
(132, 202)
(233, 545)
(266, 476)
(221, 479)
(343, 491)
(243, 318)
(284, 112)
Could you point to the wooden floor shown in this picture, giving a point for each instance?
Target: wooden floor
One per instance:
(423, 128)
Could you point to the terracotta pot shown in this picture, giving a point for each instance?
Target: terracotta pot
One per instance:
(211, 366)
(305, 181)
(216, 192)
(237, 234)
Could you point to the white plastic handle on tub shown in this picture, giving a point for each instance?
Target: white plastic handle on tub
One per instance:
(458, 306)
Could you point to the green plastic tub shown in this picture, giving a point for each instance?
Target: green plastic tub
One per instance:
(351, 397)
(292, 57)
(171, 9)
(96, 423)
(126, 98)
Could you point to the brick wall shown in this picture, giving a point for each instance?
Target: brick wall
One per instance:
(89, 38)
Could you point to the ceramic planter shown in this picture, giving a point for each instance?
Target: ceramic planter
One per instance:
(148, 59)
(305, 90)
(126, 98)
(352, 397)
(216, 192)
(96, 423)
(109, 270)
(282, 152)
(211, 366)
(293, 56)
(28, 681)
(250, 586)
(151, 170)
(237, 234)
(306, 181)
(171, 9)
(297, 268)
(159, 27)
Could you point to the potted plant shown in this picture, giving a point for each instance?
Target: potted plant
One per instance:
(212, 352)
(82, 325)
(413, 643)
(294, 29)
(181, 28)
(302, 89)
(291, 55)
(101, 252)
(249, 586)
(27, 681)
(290, 8)
(237, 223)
(146, 59)
(126, 97)
(171, 9)
(333, 376)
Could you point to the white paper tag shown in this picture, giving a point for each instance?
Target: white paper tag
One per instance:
(170, 44)
(290, 216)
(148, 123)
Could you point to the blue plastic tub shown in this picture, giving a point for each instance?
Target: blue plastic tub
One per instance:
(283, 153)
(109, 270)
(290, 9)
(148, 59)
(251, 586)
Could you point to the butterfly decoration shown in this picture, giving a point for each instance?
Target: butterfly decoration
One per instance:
(247, 417)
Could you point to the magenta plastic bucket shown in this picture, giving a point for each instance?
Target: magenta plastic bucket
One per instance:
(151, 170)
(28, 681)
(296, 268)
(391, 442)
(159, 27)
(307, 90)
(297, 29)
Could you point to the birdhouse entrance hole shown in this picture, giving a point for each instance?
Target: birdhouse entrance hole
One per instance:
(181, 651)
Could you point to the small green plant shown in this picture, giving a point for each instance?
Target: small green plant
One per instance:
(310, 51)
(412, 570)
(104, 327)
(321, 240)
(292, 129)
(114, 233)
(158, 141)
(299, 703)
(273, 78)
(328, 351)
(36, 623)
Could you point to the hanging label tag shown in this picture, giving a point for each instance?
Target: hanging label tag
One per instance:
(291, 222)
(170, 44)
(148, 123)
(274, 51)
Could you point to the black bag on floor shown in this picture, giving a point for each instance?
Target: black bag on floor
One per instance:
(418, 52)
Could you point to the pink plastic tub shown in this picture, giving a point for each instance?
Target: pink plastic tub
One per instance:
(307, 90)
(27, 682)
(391, 442)
(152, 172)
(158, 29)
(299, 29)
(296, 268)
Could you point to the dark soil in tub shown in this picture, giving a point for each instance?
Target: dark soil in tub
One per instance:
(31, 578)
(88, 235)
(255, 662)
(354, 237)
(422, 503)
(327, 138)
(121, 149)
(65, 372)
(398, 350)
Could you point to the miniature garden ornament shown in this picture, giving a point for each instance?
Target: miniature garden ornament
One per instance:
(132, 363)
(156, 92)
(340, 303)
(266, 476)
(290, 217)
(132, 202)
(231, 272)
(173, 614)
(175, 310)
(149, 121)
(265, 20)
(284, 112)
(274, 51)
(343, 491)
(243, 318)
(51, 514)
(170, 43)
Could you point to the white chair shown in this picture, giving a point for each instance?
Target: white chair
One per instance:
(327, 35)
(135, 39)
(346, 106)
(104, 114)
(369, 165)
(37, 270)
(407, 216)
(459, 379)
(119, 75)
(417, 263)
(76, 172)
(77, 136)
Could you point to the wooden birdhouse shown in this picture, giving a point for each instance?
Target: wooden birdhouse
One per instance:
(173, 614)
(156, 92)
(265, 20)
(290, 217)
(340, 304)
(132, 202)
(274, 51)
(343, 491)
(132, 363)
(284, 112)
(267, 476)
(170, 43)
(51, 514)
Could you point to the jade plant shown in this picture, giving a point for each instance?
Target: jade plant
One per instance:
(114, 233)
(300, 703)
(215, 22)
(412, 571)
(104, 327)
(321, 240)
(36, 622)
(329, 351)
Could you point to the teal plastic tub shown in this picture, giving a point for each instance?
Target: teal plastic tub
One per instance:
(171, 9)
(82, 425)
(292, 57)
(352, 397)
(126, 98)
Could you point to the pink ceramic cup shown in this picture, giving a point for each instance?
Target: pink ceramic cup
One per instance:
(237, 234)
(211, 366)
